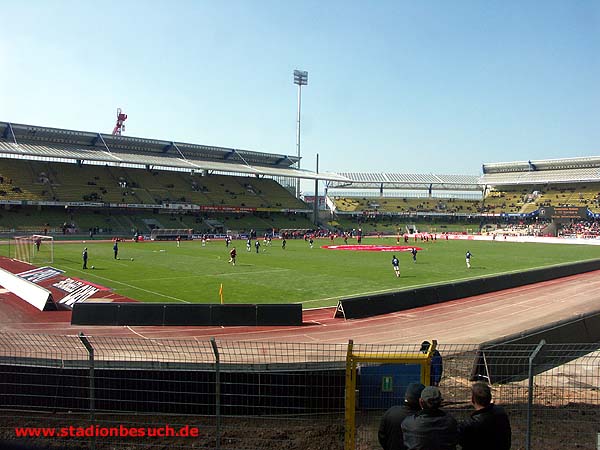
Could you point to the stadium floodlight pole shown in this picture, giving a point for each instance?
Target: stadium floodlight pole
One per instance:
(301, 79)
(316, 201)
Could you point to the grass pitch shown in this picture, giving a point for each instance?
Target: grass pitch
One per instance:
(161, 272)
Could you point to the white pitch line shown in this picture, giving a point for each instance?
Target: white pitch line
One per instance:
(214, 275)
(247, 273)
(135, 287)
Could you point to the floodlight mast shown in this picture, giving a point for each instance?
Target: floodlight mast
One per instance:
(120, 125)
(301, 79)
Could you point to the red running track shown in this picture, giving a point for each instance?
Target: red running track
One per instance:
(467, 320)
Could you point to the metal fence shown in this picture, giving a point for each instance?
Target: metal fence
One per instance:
(121, 393)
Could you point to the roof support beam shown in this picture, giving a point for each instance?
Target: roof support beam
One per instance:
(12, 133)
(179, 151)
(241, 157)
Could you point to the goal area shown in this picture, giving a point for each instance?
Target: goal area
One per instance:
(170, 234)
(33, 249)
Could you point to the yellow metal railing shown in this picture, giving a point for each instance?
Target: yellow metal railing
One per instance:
(355, 358)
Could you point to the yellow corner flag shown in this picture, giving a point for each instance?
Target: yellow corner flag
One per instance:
(221, 293)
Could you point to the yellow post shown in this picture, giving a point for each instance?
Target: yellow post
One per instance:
(426, 365)
(221, 293)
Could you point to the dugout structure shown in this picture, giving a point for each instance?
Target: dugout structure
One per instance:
(33, 249)
(378, 379)
(170, 234)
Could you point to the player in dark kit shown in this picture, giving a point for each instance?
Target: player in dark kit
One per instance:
(414, 254)
(232, 255)
(84, 256)
(468, 256)
(396, 265)
(116, 249)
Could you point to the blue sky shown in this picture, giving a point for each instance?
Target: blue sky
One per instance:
(394, 86)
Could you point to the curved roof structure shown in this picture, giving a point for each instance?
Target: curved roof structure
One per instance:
(60, 145)
(567, 170)
(359, 180)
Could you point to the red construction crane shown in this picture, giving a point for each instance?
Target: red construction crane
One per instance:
(120, 126)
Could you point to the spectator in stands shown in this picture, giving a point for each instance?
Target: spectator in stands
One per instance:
(437, 364)
(488, 427)
(116, 249)
(232, 255)
(431, 428)
(84, 256)
(390, 428)
(396, 266)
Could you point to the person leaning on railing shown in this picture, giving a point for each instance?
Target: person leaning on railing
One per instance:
(437, 364)
(489, 426)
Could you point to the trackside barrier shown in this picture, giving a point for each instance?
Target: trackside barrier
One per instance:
(169, 314)
(488, 366)
(33, 294)
(374, 305)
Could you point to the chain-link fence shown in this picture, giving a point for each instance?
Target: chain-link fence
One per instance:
(121, 393)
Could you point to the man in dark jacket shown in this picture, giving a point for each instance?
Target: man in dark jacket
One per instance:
(437, 364)
(431, 428)
(390, 430)
(488, 427)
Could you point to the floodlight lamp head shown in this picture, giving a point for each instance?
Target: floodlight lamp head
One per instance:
(300, 77)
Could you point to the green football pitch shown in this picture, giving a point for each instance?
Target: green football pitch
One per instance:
(161, 272)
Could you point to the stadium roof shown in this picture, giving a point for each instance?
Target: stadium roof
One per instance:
(567, 170)
(406, 181)
(60, 145)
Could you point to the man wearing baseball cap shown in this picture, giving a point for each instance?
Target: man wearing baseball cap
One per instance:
(431, 428)
(390, 429)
